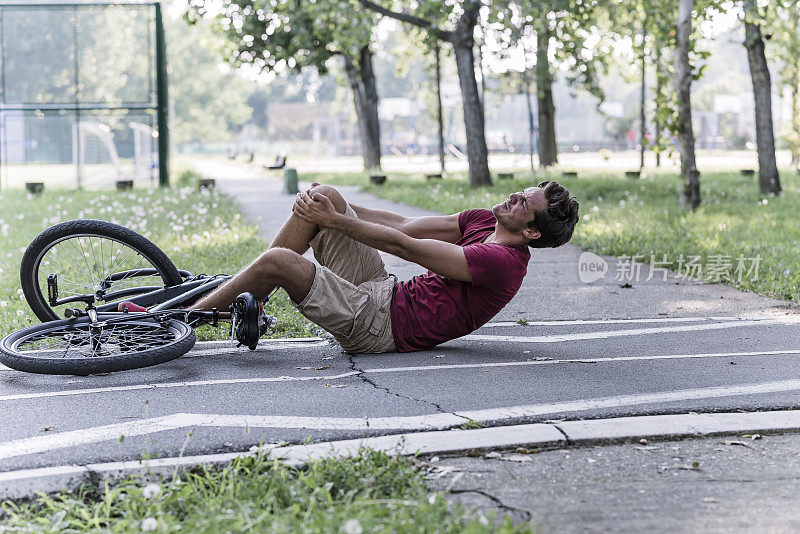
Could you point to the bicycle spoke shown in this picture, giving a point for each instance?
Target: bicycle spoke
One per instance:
(79, 341)
(83, 263)
(82, 254)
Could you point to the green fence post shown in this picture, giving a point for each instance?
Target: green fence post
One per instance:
(290, 181)
(162, 100)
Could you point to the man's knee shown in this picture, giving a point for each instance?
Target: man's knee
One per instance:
(277, 261)
(287, 269)
(333, 195)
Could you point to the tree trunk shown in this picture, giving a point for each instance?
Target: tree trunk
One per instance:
(526, 81)
(768, 179)
(365, 98)
(548, 151)
(794, 142)
(658, 89)
(439, 118)
(642, 116)
(480, 70)
(796, 118)
(526, 84)
(477, 154)
(463, 40)
(690, 195)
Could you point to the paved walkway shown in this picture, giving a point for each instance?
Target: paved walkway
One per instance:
(587, 351)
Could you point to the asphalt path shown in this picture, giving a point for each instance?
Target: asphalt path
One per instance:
(562, 349)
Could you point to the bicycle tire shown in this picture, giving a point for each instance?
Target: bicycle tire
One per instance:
(47, 361)
(45, 241)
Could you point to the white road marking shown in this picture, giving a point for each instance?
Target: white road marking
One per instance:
(495, 414)
(620, 333)
(379, 370)
(577, 360)
(24, 483)
(232, 349)
(202, 349)
(574, 322)
(437, 421)
(252, 380)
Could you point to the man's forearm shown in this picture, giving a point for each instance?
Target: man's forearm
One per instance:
(375, 235)
(385, 218)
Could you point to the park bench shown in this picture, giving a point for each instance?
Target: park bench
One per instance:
(279, 163)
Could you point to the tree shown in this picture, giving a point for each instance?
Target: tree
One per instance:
(293, 35)
(208, 104)
(560, 29)
(682, 80)
(461, 37)
(421, 42)
(784, 24)
(650, 27)
(768, 179)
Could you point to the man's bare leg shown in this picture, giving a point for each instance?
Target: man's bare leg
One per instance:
(275, 267)
(296, 234)
(281, 265)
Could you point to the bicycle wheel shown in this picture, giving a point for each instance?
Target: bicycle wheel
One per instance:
(91, 257)
(119, 342)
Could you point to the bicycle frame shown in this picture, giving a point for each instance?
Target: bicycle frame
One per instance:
(164, 298)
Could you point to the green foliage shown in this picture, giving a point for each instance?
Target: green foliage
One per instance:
(650, 26)
(209, 104)
(622, 217)
(373, 492)
(782, 24)
(569, 25)
(200, 231)
(287, 35)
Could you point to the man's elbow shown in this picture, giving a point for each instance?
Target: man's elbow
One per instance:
(401, 248)
(405, 226)
(399, 251)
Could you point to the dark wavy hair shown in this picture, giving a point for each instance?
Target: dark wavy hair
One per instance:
(557, 222)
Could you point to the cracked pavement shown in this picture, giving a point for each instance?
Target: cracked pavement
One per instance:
(560, 365)
(362, 375)
(715, 484)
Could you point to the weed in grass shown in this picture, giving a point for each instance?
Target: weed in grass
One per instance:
(471, 425)
(368, 493)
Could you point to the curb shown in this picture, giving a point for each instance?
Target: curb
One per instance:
(26, 483)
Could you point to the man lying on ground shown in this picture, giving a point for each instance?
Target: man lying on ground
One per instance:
(476, 261)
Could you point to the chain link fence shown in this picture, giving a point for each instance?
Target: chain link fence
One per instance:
(79, 94)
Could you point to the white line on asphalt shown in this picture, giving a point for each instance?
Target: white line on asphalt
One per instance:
(26, 482)
(622, 321)
(225, 347)
(379, 370)
(620, 333)
(728, 322)
(203, 344)
(252, 380)
(244, 350)
(435, 421)
(578, 360)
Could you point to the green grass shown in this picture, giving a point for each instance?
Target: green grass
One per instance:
(373, 492)
(471, 425)
(626, 217)
(201, 231)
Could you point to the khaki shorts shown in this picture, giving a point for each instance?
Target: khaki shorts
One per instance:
(351, 296)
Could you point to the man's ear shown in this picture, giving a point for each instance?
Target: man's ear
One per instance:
(531, 233)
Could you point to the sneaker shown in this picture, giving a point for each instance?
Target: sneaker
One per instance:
(130, 307)
(248, 321)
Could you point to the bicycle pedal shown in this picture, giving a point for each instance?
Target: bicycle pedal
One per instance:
(245, 320)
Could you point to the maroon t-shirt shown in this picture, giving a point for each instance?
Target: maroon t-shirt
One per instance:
(430, 309)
